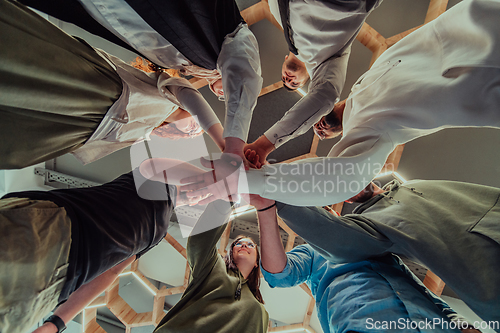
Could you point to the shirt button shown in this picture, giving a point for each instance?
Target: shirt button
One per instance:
(280, 140)
(275, 135)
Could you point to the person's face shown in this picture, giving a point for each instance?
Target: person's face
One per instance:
(217, 86)
(245, 249)
(292, 75)
(323, 130)
(187, 125)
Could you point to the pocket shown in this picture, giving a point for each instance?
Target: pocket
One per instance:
(18, 315)
(371, 76)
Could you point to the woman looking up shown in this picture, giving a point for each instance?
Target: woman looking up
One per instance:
(223, 294)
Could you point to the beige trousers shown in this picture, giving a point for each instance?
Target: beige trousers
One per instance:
(35, 239)
(54, 89)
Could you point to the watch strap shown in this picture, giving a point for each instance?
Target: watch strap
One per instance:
(56, 320)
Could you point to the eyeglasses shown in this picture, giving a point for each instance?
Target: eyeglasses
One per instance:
(248, 244)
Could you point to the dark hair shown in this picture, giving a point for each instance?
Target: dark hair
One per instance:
(333, 120)
(169, 130)
(253, 279)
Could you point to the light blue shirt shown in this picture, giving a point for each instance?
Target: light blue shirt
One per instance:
(367, 296)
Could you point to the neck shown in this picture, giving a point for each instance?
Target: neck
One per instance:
(245, 269)
(293, 58)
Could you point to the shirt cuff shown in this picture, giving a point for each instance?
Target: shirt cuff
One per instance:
(275, 136)
(274, 279)
(252, 181)
(235, 127)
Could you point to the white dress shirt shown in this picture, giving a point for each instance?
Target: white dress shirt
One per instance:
(145, 103)
(238, 61)
(322, 34)
(445, 74)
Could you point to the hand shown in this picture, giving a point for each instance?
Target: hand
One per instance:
(193, 201)
(262, 147)
(253, 159)
(259, 202)
(183, 200)
(221, 182)
(234, 146)
(46, 328)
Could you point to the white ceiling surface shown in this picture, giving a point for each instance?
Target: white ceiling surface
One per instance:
(457, 154)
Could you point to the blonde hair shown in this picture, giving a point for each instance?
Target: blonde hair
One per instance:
(169, 130)
(148, 67)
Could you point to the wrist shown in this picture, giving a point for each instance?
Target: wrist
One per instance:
(234, 146)
(55, 323)
(50, 327)
(265, 144)
(267, 208)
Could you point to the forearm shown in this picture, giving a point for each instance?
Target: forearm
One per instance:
(167, 170)
(202, 243)
(193, 102)
(303, 115)
(84, 295)
(239, 65)
(234, 146)
(322, 181)
(273, 255)
(215, 132)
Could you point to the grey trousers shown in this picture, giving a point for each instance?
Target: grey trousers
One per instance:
(35, 240)
(452, 228)
(54, 89)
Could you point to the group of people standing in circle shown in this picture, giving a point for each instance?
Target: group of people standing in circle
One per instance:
(62, 248)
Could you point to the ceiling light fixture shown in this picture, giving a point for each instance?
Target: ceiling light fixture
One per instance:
(140, 280)
(95, 306)
(144, 284)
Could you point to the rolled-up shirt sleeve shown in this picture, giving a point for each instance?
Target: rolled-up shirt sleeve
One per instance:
(297, 270)
(239, 65)
(326, 85)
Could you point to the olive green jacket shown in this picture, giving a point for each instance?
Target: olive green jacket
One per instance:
(210, 302)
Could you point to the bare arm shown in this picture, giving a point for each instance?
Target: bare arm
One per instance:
(167, 170)
(273, 255)
(84, 295)
(215, 132)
